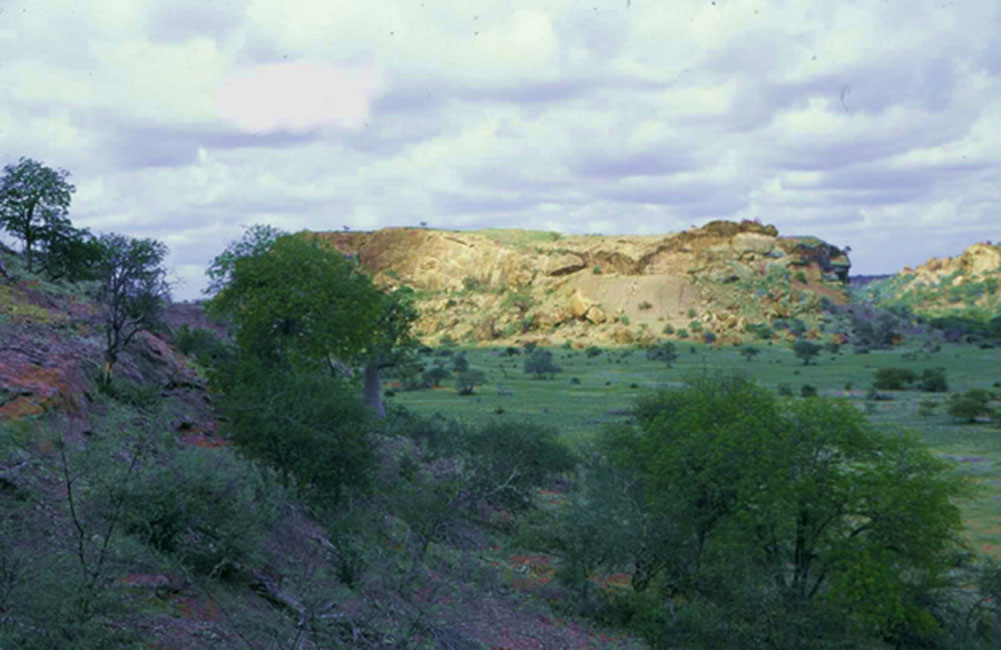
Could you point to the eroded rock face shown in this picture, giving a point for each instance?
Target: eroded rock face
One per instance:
(576, 281)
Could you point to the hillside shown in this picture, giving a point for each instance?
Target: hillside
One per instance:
(964, 286)
(724, 278)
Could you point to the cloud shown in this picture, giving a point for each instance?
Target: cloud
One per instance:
(296, 97)
(872, 124)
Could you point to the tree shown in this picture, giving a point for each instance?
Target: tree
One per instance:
(299, 303)
(132, 290)
(806, 350)
(970, 405)
(467, 380)
(255, 241)
(666, 352)
(34, 200)
(392, 343)
(801, 509)
(71, 253)
(541, 364)
(749, 352)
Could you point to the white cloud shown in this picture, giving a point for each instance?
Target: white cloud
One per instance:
(184, 122)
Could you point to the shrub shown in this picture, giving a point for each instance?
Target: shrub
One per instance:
(510, 459)
(695, 326)
(540, 363)
(593, 351)
(682, 334)
(624, 319)
(927, 407)
(467, 380)
(800, 277)
(666, 352)
(785, 390)
(435, 375)
(470, 283)
(207, 509)
(969, 405)
(749, 352)
(806, 350)
(806, 390)
(596, 270)
(575, 381)
(933, 380)
(668, 329)
(709, 338)
(893, 378)
(310, 427)
(459, 362)
(645, 305)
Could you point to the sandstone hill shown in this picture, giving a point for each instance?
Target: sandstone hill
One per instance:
(966, 285)
(722, 279)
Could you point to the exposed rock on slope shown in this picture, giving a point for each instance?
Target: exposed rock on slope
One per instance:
(967, 284)
(508, 285)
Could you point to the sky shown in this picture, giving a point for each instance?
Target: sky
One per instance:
(874, 124)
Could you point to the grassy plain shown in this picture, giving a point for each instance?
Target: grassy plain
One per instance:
(609, 382)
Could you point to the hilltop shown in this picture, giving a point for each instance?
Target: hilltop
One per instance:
(725, 279)
(964, 286)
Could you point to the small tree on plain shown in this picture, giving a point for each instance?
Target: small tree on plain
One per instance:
(540, 363)
(133, 288)
(467, 380)
(666, 352)
(749, 352)
(806, 350)
(34, 200)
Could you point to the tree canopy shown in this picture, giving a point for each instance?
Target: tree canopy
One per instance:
(34, 201)
(801, 509)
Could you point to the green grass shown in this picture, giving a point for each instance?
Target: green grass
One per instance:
(605, 394)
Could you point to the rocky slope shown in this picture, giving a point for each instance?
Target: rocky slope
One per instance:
(966, 285)
(724, 278)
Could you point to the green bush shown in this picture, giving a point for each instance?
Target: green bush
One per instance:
(933, 380)
(310, 427)
(969, 405)
(807, 390)
(893, 378)
(466, 381)
(206, 509)
(668, 329)
(593, 351)
(510, 459)
(645, 305)
(541, 364)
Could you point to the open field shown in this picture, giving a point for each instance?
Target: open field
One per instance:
(610, 381)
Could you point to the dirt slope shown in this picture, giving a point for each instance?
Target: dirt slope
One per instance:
(512, 285)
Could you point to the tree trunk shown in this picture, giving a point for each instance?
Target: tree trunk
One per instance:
(373, 389)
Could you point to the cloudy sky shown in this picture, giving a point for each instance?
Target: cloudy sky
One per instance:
(875, 124)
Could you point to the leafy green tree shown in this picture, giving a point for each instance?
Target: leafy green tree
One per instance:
(436, 374)
(933, 380)
(749, 352)
(541, 363)
(131, 291)
(893, 378)
(299, 303)
(466, 381)
(970, 405)
(392, 343)
(802, 509)
(67, 252)
(806, 350)
(256, 240)
(666, 352)
(34, 200)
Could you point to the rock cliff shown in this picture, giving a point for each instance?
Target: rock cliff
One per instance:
(722, 279)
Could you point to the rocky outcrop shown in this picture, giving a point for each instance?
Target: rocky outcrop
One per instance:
(736, 274)
(968, 283)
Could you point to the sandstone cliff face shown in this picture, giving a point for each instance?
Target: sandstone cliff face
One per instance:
(969, 283)
(513, 286)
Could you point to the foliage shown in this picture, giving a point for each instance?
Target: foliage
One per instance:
(893, 378)
(131, 292)
(207, 510)
(509, 459)
(969, 405)
(466, 381)
(310, 427)
(34, 200)
(666, 352)
(806, 350)
(460, 363)
(256, 240)
(593, 351)
(70, 253)
(202, 344)
(540, 363)
(299, 302)
(807, 390)
(933, 380)
(749, 352)
(436, 374)
(800, 508)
